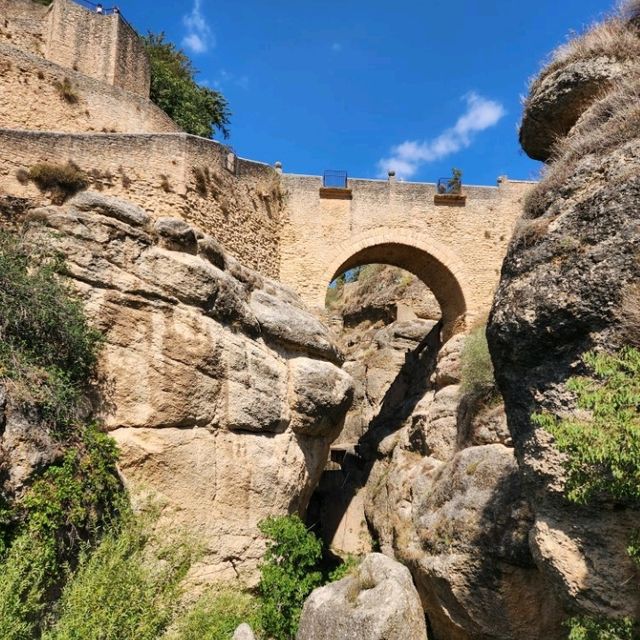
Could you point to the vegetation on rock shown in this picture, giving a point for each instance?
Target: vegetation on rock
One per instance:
(127, 589)
(61, 180)
(47, 357)
(603, 448)
(47, 350)
(477, 368)
(197, 109)
(289, 573)
(582, 628)
(217, 615)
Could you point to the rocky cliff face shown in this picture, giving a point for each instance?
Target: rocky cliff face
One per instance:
(434, 472)
(569, 277)
(222, 391)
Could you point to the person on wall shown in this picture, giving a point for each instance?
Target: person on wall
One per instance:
(99, 9)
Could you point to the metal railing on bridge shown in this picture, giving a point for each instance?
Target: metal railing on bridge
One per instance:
(334, 179)
(449, 186)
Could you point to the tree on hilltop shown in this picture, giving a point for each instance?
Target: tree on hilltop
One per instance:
(196, 109)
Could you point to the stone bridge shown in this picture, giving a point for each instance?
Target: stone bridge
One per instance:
(456, 245)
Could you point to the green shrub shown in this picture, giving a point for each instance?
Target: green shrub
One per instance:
(198, 110)
(289, 573)
(477, 368)
(62, 180)
(63, 512)
(584, 628)
(121, 591)
(603, 449)
(47, 349)
(217, 615)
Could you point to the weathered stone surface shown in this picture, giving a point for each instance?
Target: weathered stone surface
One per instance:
(113, 207)
(376, 602)
(243, 632)
(322, 395)
(176, 234)
(221, 426)
(292, 326)
(444, 496)
(26, 445)
(558, 99)
(561, 294)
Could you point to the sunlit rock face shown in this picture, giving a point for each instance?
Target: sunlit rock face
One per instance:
(222, 391)
(569, 279)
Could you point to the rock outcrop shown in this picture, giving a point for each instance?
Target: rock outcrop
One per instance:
(568, 276)
(435, 474)
(444, 497)
(222, 391)
(377, 601)
(575, 78)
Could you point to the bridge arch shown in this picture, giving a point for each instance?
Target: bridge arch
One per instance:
(434, 264)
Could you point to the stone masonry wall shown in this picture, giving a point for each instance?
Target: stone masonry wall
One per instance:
(103, 47)
(30, 99)
(446, 246)
(22, 25)
(167, 175)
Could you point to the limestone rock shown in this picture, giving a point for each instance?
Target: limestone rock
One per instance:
(224, 417)
(292, 326)
(322, 393)
(176, 234)
(561, 294)
(26, 445)
(113, 207)
(243, 632)
(377, 602)
(558, 99)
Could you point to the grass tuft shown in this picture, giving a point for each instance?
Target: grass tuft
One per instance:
(61, 180)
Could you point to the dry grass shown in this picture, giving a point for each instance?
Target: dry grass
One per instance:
(67, 91)
(611, 122)
(527, 233)
(630, 315)
(61, 180)
(615, 38)
(630, 10)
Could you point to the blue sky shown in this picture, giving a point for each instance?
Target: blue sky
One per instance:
(363, 85)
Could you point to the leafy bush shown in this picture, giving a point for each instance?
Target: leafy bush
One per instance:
(289, 573)
(47, 357)
(47, 349)
(217, 615)
(477, 368)
(603, 450)
(198, 110)
(121, 591)
(583, 628)
(62, 180)
(61, 513)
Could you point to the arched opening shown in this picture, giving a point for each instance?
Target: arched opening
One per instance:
(438, 276)
(386, 306)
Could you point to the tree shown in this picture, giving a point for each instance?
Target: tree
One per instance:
(197, 109)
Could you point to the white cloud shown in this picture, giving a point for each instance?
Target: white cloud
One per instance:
(406, 158)
(226, 78)
(199, 35)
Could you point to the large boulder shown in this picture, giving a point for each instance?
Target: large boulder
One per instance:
(568, 276)
(220, 388)
(578, 74)
(377, 601)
